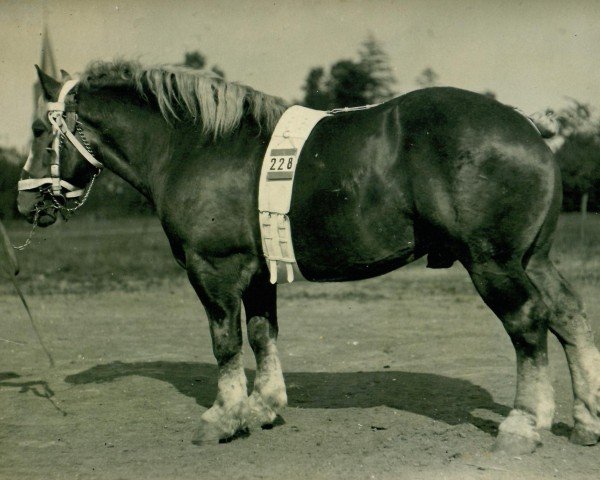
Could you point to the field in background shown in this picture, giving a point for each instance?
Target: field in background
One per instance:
(404, 376)
(86, 256)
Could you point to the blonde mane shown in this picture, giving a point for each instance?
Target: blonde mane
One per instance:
(182, 92)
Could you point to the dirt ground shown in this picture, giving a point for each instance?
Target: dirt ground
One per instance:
(404, 376)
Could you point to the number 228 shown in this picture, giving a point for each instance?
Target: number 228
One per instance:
(280, 163)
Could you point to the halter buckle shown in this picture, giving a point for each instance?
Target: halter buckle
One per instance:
(59, 199)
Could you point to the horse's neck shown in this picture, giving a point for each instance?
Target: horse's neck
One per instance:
(133, 143)
(143, 148)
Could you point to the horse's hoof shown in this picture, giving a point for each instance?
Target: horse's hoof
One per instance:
(258, 420)
(208, 434)
(275, 423)
(581, 436)
(516, 444)
(258, 413)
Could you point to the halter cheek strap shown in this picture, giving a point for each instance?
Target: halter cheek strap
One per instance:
(60, 128)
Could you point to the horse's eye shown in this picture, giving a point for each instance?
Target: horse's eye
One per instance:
(38, 128)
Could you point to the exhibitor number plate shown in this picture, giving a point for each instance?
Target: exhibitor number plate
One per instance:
(282, 164)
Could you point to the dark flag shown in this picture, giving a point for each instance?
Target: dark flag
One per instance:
(47, 64)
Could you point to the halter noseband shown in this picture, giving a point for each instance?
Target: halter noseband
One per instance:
(60, 130)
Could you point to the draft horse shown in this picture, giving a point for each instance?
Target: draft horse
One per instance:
(440, 172)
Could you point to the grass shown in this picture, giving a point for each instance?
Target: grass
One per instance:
(578, 258)
(86, 256)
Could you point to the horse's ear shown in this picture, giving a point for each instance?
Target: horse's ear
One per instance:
(50, 86)
(65, 75)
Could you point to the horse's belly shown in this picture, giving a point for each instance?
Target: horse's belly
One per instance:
(347, 271)
(350, 212)
(336, 247)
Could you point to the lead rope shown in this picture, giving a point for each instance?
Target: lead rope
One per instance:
(34, 225)
(22, 297)
(32, 321)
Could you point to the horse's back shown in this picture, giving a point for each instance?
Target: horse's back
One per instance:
(437, 171)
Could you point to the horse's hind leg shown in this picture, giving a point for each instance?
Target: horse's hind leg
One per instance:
(568, 322)
(507, 290)
(268, 396)
(219, 283)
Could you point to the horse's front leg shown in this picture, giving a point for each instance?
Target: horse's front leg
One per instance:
(268, 396)
(219, 283)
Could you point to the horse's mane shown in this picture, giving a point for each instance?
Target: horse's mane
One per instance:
(185, 92)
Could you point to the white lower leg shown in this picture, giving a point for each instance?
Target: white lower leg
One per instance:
(269, 395)
(584, 363)
(227, 414)
(534, 408)
(536, 395)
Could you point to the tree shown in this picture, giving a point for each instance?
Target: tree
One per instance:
(376, 64)
(576, 118)
(427, 78)
(579, 160)
(579, 156)
(197, 60)
(315, 91)
(351, 83)
(348, 84)
(194, 60)
(490, 94)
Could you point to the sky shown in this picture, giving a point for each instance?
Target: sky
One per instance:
(533, 54)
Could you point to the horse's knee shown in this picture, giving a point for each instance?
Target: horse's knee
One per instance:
(226, 342)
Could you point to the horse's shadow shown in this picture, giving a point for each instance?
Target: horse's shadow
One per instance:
(446, 399)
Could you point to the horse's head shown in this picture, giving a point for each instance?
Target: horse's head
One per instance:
(61, 161)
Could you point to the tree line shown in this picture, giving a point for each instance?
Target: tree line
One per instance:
(367, 78)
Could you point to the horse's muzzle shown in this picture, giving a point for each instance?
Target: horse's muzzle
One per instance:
(30, 202)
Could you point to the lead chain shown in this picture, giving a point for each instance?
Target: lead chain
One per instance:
(28, 241)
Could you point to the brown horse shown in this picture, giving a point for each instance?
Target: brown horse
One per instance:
(440, 172)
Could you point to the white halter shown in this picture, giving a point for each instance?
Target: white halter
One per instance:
(60, 129)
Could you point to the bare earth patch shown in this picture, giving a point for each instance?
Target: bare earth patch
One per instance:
(403, 376)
